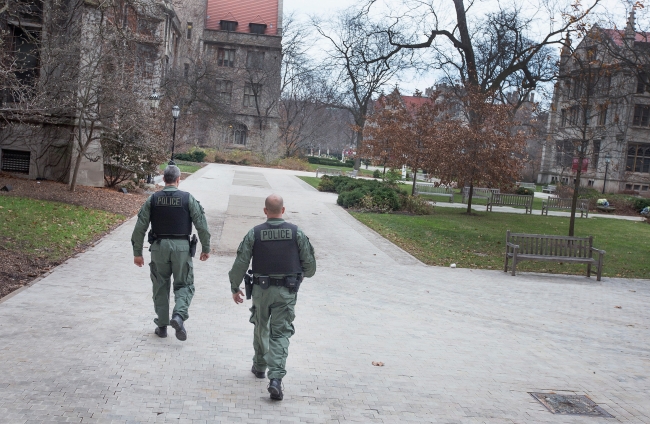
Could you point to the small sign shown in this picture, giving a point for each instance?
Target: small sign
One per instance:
(585, 164)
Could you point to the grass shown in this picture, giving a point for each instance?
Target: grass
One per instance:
(184, 167)
(50, 230)
(450, 236)
(312, 181)
(362, 172)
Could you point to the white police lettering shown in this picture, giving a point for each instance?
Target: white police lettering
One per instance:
(276, 234)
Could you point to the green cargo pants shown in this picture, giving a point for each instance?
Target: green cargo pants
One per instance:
(273, 314)
(171, 257)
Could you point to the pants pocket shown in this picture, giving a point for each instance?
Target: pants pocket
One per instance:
(253, 318)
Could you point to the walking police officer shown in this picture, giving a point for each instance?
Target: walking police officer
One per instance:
(171, 213)
(282, 257)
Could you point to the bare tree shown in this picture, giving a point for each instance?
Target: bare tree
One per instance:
(362, 62)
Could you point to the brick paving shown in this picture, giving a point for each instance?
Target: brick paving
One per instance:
(459, 345)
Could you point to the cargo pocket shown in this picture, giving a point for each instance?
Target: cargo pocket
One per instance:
(253, 318)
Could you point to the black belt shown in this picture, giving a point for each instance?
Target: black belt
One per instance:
(174, 237)
(274, 281)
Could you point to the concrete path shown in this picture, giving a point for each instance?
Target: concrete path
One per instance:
(459, 345)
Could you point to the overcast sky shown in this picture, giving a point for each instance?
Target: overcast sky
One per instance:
(615, 10)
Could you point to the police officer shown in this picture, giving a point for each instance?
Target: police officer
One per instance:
(282, 256)
(171, 213)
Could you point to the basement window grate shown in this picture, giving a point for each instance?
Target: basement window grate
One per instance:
(570, 404)
(15, 161)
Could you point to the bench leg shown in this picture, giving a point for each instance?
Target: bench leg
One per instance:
(514, 263)
(588, 270)
(505, 269)
(599, 269)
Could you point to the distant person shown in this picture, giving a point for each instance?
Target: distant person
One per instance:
(171, 213)
(282, 257)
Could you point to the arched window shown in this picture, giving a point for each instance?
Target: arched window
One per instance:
(638, 158)
(235, 133)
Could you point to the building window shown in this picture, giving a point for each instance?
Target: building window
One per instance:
(644, 188)
(226, 57)
(638, 158)
(563, 118)
(254, 59)
(564, 153)
(641, 115)
(224, 91)
(228, 25)
(257, 28)
(641, 83)
(26, 56)
(236, 133)
(252, 94)
(573, 115)
(595, 154)
(186, 70)
(189, 30)
(602, 115)
(15, 161)
(565, 180)
(590, 183)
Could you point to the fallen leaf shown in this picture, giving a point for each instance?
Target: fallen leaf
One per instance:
(618, 307)
(378, 364)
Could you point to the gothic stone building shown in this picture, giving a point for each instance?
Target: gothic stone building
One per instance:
(600, 116)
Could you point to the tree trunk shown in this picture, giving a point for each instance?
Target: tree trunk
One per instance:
(415, 173)
(574, 200)
(469, 200)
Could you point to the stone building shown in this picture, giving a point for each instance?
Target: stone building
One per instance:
(54, 58)
(600, 116)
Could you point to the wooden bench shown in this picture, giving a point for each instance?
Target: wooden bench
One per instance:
(329, 171)
(353, 173)
(479, 193)
(538, 247)
(431, 190)
(502, 199)
(549, 189)
(531, 186)
(565, 203)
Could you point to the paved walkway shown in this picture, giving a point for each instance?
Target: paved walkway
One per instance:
(459, 345)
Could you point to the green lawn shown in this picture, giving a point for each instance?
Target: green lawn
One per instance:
(312, 181)
(49, 229)
(362, 172)
(184, 167)
(449, 236)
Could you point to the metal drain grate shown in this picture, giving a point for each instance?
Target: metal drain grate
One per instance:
(570, 404)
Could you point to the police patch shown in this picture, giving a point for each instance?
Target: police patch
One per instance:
(276, 234)
(174, 202)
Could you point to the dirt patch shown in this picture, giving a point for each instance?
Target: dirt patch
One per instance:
(18, 268)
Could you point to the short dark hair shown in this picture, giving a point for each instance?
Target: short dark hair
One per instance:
(171, 174)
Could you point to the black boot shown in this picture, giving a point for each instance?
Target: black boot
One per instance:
(258, 374)
(177, 323)
(161, 331)
(275, 388)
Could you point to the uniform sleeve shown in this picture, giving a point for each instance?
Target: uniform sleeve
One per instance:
(307, 258)
(200, 223)
(242, 261)
(141, 226)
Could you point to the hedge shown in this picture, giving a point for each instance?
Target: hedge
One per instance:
(331, 162)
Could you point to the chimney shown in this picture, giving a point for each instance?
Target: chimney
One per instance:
(629, 28)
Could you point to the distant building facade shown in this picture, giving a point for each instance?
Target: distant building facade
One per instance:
(601, 104)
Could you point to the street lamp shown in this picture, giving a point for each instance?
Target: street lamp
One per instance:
(176, 111)
(154, 99)
(607, 161)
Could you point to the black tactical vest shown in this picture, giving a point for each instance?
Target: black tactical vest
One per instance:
(170, 213)
(275, 250)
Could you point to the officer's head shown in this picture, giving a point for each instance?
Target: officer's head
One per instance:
(172, 175)
(274, 206)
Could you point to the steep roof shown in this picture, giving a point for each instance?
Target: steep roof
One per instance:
(617, 36)
(244, 12)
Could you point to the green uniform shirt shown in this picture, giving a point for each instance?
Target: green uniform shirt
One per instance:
(196, 213)
(245, 253)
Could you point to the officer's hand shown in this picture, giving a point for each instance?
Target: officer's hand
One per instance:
(204, 256)
(238, 297)
(138, 260)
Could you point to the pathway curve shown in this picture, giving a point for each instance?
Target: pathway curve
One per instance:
(459, 345)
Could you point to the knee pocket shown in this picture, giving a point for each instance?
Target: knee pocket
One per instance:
(253, 318)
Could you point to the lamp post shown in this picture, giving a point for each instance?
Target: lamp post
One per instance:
(154, 99)
(607, 161)
(176, 111)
